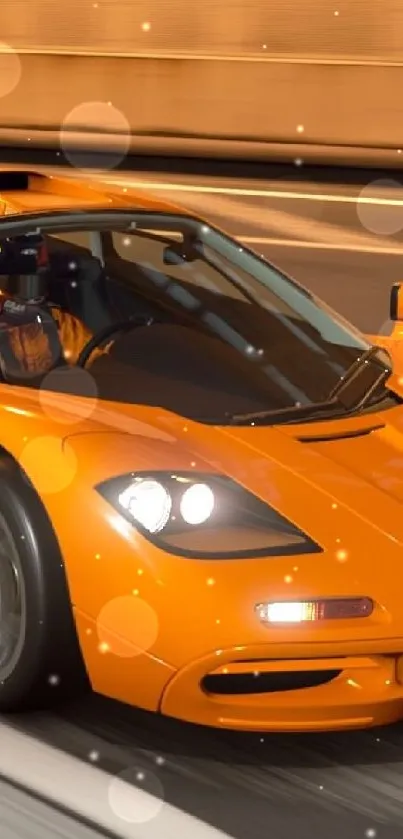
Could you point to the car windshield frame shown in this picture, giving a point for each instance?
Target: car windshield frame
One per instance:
(237, 255)
(91, 220)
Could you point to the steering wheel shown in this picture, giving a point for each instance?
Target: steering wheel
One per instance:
(108, 332)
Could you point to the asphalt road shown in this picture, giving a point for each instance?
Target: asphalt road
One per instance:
(345, 242)
(349, 251)
(250, 786)
(355, 284)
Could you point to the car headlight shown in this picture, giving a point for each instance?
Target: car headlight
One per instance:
(203, 516)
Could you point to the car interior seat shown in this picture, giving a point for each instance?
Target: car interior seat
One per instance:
(77, 285)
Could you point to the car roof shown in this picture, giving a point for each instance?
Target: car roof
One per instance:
(24, 191)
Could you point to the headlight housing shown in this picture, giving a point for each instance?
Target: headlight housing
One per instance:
(203, 516)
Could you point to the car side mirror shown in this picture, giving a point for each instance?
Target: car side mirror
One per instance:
(179, 253)
(396, 302)
(173, 256)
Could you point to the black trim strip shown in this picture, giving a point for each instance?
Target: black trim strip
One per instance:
(394, 301)
(343, 435)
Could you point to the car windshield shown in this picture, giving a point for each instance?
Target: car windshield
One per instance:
(204, 327)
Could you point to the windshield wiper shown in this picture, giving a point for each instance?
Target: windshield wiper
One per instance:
(322, 410)
(351, 394)
(363, 378)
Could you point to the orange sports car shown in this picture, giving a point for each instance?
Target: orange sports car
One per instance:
(201, 473)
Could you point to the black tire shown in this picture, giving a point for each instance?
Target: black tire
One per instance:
(45, 665)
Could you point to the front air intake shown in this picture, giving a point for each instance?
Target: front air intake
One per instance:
(241, 684)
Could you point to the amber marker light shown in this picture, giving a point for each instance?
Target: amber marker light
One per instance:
(301, 611)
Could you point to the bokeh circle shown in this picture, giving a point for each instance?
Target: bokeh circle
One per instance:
(128, 626)
(136, 795)
(50, 467)
(381, 218)
(92, 120)
(10, 69)
(57, 388)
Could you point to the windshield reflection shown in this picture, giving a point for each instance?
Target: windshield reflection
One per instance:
(229, 333)
(255, 330)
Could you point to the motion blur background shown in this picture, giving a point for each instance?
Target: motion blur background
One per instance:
(318, 73)
(297, 80)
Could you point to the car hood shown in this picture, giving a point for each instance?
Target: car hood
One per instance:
(307, 471)
(340, 482)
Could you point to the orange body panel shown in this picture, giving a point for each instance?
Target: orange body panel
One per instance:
(48, 192)
(155, 627)
(394, 344)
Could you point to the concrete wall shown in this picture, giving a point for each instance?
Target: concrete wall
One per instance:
(305, 28)
(313, 77)
(275, 101)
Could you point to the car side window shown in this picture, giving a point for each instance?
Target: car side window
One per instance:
(80, 239)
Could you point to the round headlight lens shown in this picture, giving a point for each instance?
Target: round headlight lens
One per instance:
(149, 503)
(197, 504)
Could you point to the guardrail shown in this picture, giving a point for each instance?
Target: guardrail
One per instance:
(324, 110)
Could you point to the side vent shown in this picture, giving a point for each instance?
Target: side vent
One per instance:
(25, 181)
(17, 181)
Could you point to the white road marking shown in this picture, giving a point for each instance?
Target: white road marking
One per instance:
(85, 790)
(353, 245)
(284, 224)
(259, 193)
(320, 246)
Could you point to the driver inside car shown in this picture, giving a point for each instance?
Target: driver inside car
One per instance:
(30, 345)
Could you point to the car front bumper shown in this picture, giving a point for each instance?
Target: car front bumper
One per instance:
(265, 687)
(294, 695)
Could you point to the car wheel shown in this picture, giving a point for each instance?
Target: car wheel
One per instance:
(40, 659)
